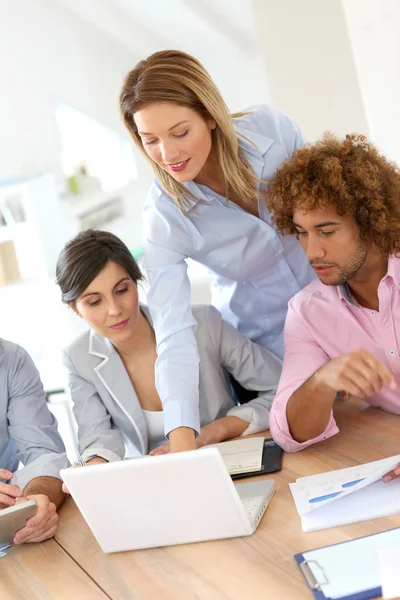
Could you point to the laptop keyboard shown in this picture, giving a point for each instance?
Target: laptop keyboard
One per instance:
(252, 506)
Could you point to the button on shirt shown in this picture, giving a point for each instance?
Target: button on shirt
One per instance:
(325, 322)
(256, 271)
(28, 430)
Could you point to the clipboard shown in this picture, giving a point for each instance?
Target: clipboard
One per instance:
(348, 570)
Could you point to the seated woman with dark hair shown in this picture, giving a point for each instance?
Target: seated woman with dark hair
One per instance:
(111, 366)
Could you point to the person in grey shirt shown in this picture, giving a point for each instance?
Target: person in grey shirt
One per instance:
(111, 366)
(28, 435)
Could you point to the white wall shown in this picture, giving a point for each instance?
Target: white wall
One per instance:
(374, 29)
(222, 35)
(46, 56)
(51, 52)
(309, 64)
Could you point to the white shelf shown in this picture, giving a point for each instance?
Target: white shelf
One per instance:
(39, 238)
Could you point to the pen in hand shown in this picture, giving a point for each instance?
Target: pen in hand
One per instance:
(79, 459)
(79, 463)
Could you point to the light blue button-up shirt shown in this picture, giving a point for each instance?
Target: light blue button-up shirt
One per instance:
(28, 430)
(256, 270)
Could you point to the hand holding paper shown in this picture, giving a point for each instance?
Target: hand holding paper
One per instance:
(392, 474)
(347, 495)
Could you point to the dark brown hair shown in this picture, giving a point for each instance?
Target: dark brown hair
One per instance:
(350, 175)
(83, 257)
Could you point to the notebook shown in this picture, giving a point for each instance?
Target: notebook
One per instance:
(241, 456)
(350, 570)
(347, 495)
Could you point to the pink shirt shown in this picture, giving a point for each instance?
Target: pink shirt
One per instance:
(324, 322)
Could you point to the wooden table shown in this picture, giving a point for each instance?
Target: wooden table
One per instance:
(44, 572)
(257, 567)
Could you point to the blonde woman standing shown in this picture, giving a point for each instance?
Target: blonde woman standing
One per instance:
(206, 203)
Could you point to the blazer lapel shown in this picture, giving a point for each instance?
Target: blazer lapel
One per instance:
(114, 377)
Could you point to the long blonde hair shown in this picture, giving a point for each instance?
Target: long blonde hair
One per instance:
(174, 76)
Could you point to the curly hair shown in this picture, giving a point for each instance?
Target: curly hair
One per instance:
(350, 175)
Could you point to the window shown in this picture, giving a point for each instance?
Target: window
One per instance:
(105, 153)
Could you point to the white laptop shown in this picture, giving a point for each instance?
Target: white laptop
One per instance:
(164, 500)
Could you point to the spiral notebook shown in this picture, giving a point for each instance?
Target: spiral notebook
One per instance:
(347, 495)
(241, 456)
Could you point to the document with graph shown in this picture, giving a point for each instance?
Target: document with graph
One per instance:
(347, 495)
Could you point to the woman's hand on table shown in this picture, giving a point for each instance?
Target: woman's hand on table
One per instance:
(213, 433)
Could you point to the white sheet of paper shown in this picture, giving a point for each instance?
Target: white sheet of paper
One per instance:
(376, 500)
(243, 455)
(389, 561)
(313, 492)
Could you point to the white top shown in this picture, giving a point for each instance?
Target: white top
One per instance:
(155, 427)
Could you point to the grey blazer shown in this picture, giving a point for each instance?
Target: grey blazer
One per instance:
(108, 411)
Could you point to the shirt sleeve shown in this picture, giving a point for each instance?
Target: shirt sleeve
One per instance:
(303, 356)
(252, 365)
(167, 245)
(96, 434)
(31, 424)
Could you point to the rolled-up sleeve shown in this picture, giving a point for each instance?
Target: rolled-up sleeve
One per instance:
(167, 245)
(303, 356)
(31, 424)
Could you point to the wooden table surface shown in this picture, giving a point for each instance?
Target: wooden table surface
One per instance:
(44, 572)
(260, 566)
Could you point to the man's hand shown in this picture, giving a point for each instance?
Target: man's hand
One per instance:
(358, 373)
(42, 526)
(93, 461)
(8, 493)
(395, 474)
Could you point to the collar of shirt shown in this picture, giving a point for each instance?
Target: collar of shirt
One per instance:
(345, 294)
(393, 273)
(254, 146)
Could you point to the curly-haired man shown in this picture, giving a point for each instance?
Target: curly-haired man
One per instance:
(342, 332)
